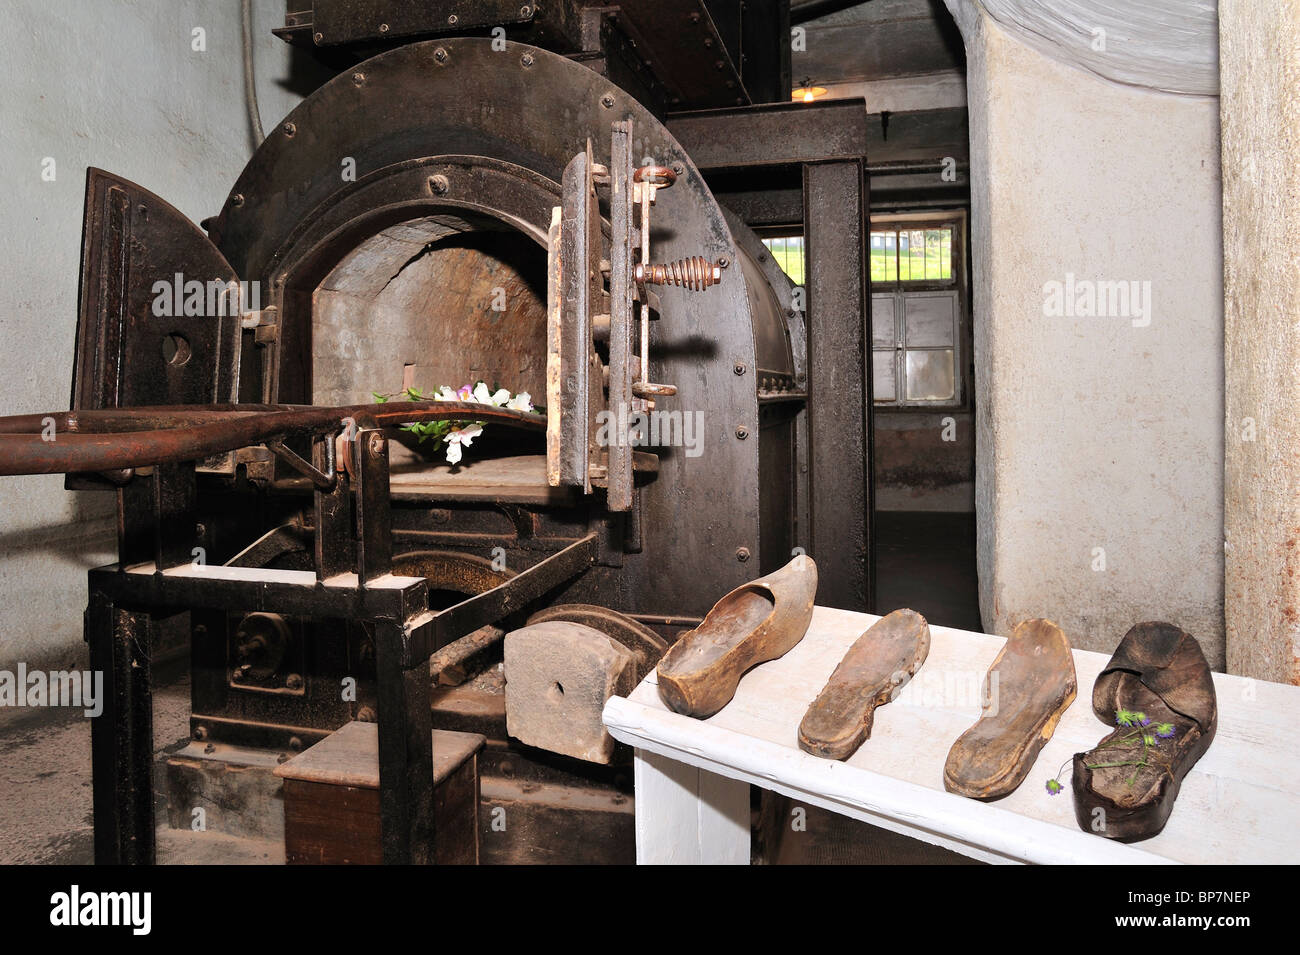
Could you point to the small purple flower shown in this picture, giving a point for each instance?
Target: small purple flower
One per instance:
(1165, 730)
(1143, 719)
(1053, 787)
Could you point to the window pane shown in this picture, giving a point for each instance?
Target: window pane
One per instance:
(930, 376)
(882, 320)
(884, 251)
(931, 318)
(787, 252)
(924, 255)
(883, 386)
(911, 258)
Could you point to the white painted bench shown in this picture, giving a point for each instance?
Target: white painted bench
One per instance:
(1241, 803)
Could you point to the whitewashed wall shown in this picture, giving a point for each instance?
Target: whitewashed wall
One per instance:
(1098, 438)
(115, 84)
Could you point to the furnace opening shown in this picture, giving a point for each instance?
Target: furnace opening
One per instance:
(442, 300)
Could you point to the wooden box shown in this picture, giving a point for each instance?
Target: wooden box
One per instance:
(331, 799)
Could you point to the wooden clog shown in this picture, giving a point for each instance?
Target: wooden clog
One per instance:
(1029, 685)
(879, 663)
(756, 622)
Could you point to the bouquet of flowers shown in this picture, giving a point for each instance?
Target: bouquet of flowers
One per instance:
(457, 435)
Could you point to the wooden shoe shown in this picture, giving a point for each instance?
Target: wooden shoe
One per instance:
(756, 622)
(878, 664)
(1158, 693)
(1030, 684)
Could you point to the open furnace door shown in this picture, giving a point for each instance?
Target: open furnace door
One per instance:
(581, 389)
(156, 298)
(576, 297)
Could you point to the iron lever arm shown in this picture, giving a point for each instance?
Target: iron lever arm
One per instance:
(78, 441)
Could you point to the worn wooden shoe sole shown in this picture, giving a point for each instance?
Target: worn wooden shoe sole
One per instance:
(879, 663)
(756, 622)
(1029, 686)
(1125, 787)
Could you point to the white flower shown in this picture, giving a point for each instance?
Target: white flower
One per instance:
(458, 437)
(501, 397)
(521, 402)
(445, 394)
(481, 394)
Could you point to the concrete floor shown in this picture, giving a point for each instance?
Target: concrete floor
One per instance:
(925, 560)
(45, 791)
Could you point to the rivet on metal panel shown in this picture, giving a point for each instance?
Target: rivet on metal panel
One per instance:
(526, 60)
(383, 28)
(739, 368)
(742, 554)
(358, 78)
(439, 185)
(290, 129)
(440, 55)
(607, 101)
(742, 432)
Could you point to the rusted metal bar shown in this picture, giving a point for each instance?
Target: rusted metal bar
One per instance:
(122, 736)
(619, 449)
(492, 605)
(123, 438)
(374, 522)
(406, 824)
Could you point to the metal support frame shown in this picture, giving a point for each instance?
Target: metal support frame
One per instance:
(126, 598)
(825, 144)
(839, 381)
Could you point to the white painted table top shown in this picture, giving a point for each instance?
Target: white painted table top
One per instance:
(1241, 802)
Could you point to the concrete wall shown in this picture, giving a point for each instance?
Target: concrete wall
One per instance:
(1260, 76)
(1098, 438)
(115, 84)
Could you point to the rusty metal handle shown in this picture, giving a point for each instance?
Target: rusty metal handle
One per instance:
(660, 176)
(139, 437)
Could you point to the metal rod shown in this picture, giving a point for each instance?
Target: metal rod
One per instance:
(106, 440)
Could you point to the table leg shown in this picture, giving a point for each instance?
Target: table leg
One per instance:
(688, 816)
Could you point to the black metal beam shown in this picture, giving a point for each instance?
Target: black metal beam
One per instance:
(839, 382)
(406, 826)
(374, 519)
(249, 589)
(803, 12)
(121, 736)
(768, 207)
(780, 134)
